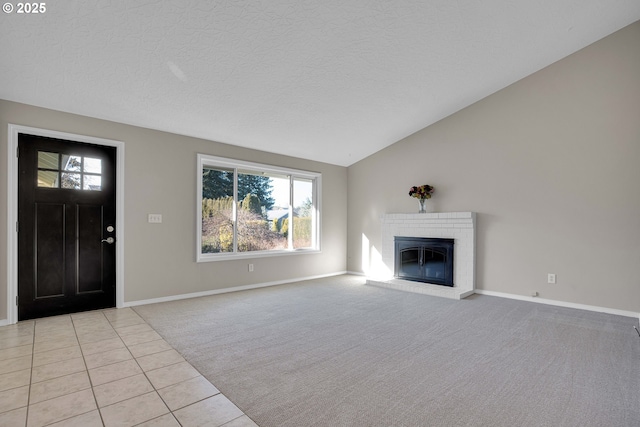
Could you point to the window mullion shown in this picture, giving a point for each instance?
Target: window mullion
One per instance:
(235, 210)
(314, 213)
(82, 173)
(290, 231)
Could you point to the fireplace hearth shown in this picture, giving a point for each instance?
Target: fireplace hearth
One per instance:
(428, 260)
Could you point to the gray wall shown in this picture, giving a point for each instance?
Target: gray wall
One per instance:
(551, 164)
(160, 177)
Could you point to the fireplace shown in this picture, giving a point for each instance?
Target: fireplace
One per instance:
(457, 226)
(428, 260)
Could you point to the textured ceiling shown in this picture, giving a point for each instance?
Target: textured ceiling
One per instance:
(327, 80)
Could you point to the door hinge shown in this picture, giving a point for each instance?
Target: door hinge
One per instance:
(18, 151)
(16, 299)
(17, 226)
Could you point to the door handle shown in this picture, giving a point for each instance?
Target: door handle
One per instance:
(109, 240)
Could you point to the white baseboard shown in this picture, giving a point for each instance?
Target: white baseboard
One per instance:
(226, 290)
(5, 322)
(559, 303)
(356, 273)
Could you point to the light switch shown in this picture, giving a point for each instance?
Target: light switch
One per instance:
(155, 218)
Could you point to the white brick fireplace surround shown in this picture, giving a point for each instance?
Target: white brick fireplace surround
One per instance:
(459, 226)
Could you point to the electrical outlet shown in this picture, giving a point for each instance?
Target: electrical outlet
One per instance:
(551, 278)
(250, 268)
(155, 218)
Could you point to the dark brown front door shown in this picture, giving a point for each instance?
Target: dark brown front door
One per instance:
(66, 226)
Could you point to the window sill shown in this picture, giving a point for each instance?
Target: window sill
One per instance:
(254, 254)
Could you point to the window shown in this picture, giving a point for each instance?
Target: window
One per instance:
(72, 172)
(248, 209)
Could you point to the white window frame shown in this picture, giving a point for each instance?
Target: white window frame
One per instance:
(205, 160)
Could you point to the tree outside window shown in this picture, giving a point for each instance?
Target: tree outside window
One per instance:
(253, 208)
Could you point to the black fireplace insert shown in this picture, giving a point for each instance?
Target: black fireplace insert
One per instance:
(422, 259)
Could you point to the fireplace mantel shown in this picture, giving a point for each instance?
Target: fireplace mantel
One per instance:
(459, 226)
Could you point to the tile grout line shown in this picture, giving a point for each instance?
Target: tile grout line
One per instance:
(144, 372)
(62, 376)
(156, 390)
(148, 379)
(75, 322)
(87, 369)
(200, 373)
(33, 352)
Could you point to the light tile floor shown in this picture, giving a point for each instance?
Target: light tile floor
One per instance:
(103, 368)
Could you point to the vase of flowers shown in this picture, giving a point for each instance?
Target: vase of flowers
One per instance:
(422, 193)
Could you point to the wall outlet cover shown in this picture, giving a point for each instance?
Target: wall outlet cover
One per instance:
(155, 218)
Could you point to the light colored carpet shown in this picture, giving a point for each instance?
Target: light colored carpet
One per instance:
(335, 352)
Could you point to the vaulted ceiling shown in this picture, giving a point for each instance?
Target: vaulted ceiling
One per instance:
(331, 80)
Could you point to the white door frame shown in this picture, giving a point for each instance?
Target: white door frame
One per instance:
(12, 210)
